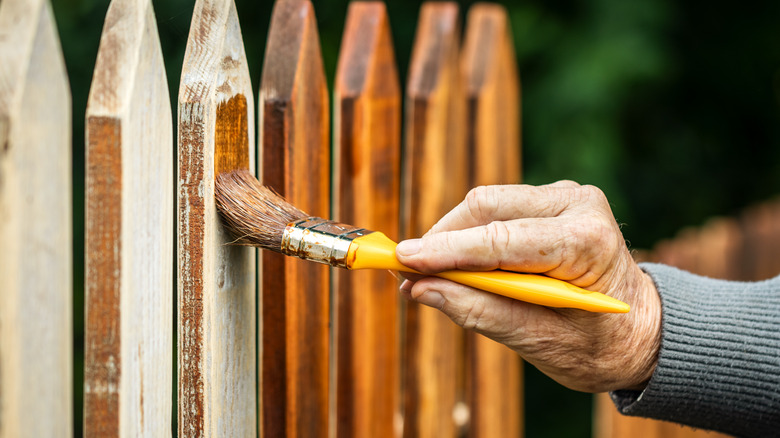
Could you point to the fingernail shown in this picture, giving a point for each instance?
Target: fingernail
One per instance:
(431, 298)
(409, 247)
(406, 286)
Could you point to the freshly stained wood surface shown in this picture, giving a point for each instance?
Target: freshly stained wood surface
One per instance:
(217, 308)
(493, 133)
(367, 167)
(295, 153)
(129, 241)
(435, 181)
(493, 107)
(35, 226)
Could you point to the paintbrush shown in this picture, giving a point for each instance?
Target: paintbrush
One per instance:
(257, 216)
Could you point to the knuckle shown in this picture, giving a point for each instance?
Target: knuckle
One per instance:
(593, 194)
(567, 183)
(474, 313)
(497, 237)
(599, 234)
(448, 244)
(435, 250)
(592, 232)
(481, 202)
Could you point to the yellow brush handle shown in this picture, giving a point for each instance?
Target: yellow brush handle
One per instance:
(377, 251)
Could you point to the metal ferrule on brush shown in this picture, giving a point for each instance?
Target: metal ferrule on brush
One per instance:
(320, 240)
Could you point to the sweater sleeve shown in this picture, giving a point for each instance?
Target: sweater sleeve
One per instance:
(719, 361)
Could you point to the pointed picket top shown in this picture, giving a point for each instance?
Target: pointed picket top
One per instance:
(491, 79)
(294, 46)
(438, 34)
(366, 59)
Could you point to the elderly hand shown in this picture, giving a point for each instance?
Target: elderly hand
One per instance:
(562, 230)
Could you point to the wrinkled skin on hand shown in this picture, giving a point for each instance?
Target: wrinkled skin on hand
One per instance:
(562, 230)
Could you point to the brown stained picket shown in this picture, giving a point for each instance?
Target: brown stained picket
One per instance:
(36, 334)
(493, 131)
(761, 230)
(492, 83)
(129, 241)
(295, 155)
(435, 181)
(367, 123)
(721, 243)
(217, 308)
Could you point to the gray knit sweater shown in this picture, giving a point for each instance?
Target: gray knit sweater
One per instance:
(719, 363)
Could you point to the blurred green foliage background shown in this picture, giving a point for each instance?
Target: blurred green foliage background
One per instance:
(670, 107)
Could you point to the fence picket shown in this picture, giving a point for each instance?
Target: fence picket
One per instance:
(493, 133)
(367, 107)
(294, 125)
(217, 308)
(129, 241)
(35, 225)
(435, 181)
(759, 225)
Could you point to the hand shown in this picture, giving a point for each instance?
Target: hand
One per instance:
(562, 230)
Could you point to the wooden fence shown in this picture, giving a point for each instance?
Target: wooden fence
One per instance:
(267, 345)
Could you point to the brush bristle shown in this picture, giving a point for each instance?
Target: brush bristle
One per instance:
(253, 213)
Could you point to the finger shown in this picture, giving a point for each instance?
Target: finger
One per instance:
(411, 276)
(406, 289)
(564, 248)
(495, 316)
(486, 204)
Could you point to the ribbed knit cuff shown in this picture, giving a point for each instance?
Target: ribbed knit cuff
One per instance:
(719, 362)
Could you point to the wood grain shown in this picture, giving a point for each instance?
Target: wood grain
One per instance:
(129, 221)
(36, 333)
(493, 134)
(217, 307)
(367, 123)
(294, 123)
(435, 181)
